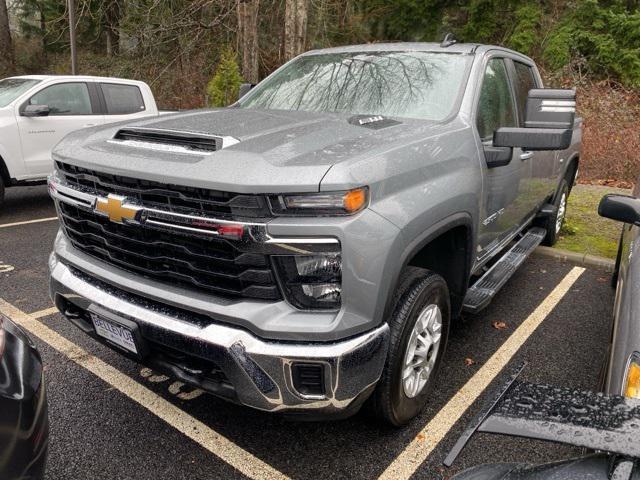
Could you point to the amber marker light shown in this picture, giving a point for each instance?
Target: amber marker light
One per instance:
(632, 385)
(321, 203)
(355, 200)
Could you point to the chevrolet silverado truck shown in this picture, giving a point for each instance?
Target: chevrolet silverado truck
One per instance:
(37, 111)
(306, 250)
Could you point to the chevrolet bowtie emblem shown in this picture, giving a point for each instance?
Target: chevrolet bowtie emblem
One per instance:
(116, 209)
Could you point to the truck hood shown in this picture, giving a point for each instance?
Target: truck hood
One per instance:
(275, 151)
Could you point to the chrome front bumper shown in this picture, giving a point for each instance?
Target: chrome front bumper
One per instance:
(259, 372)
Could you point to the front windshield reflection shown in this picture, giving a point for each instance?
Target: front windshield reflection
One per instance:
(413, 84)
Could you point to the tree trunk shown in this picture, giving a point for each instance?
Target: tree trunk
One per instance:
(248, 38)
(7, 57)
(295, 27)
(43, 31)
(112, 15)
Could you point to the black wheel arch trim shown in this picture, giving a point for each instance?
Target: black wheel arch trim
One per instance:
(460, 219)
(4, 173)
(574, 158)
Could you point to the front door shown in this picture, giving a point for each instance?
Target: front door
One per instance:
(70, 109)
(506, 194)
(544, 164)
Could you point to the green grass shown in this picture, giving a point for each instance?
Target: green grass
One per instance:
(584, 231)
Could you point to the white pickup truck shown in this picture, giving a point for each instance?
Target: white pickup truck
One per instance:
(36, 111)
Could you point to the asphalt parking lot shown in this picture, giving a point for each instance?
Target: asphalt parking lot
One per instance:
(113, 419)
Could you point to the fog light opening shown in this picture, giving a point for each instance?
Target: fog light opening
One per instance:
(308, 379)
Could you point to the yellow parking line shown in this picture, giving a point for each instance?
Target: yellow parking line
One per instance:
(222, 447)
(44, 313)
(430, 436)
(26, 222)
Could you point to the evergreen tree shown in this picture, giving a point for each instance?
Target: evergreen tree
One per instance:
(223, 88)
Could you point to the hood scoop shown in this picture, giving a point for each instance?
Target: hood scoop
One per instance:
(171, 140)
(374, 122)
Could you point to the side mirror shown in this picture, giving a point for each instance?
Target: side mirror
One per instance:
(549, 120)
(533, 138)
(622, 208)
(244, 89)
(35, 111)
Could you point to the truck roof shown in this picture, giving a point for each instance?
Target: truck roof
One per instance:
(76, 77)
(461, 48)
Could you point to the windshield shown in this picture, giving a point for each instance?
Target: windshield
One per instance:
(12, 88)
(413, 84)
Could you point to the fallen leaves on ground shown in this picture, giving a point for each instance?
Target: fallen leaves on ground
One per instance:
(469, 361)
(607, 182)
(499, 325)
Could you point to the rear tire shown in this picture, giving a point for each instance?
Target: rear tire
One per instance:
(419, 332)
(555, 221)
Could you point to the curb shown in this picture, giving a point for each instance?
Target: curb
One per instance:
(579, 258)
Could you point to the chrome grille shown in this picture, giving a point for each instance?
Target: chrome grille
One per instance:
(172, 198)
(201, 262)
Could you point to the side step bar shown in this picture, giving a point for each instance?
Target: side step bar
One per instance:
(482, 292)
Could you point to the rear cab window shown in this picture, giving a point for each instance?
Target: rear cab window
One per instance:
(122, 99)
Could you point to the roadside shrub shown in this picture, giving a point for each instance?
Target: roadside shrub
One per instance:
(611, 136)
(30, 56)
(223, 88)
(557, 52)
(526, 31)
(608, 37)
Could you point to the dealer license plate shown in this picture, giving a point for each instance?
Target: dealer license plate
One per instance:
(115, 333)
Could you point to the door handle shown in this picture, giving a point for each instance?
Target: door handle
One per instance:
(526, 155)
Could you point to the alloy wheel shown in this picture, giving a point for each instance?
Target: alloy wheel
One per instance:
(562, 209)
(422, 350)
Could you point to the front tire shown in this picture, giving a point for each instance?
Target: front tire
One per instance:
(554, 222)
(419, 328)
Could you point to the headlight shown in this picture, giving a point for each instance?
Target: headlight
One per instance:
(632, 380)
(311, 281)
(329, 203)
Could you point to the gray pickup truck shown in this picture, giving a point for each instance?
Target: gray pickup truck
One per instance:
(308, 248)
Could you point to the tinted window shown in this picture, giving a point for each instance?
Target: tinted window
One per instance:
(495, 107)
(415, 84)
(64, 99)
(12, 88)
(525, 81)
(122, 99)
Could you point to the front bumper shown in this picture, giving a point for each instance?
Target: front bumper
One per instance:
(252, 371)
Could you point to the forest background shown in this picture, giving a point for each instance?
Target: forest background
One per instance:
(195, 53)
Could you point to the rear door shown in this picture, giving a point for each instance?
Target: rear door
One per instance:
(543, 163)
(121, 101)
(506, 202)
(71, 108)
